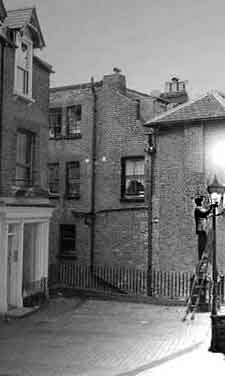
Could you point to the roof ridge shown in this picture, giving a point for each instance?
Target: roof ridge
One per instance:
(75, 86)
(139, 92)
(18, 9)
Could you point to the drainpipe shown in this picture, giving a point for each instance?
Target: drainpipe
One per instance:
(3, 44)
(93, 174)
(150, 159)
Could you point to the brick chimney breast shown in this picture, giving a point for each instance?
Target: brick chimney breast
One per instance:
(116, 80)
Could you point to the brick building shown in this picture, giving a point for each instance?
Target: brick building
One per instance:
(25, 209)
(97, 172)
(187, 140)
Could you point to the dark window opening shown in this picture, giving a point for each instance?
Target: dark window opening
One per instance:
(53, 178)
(24, 158)
(67, 240)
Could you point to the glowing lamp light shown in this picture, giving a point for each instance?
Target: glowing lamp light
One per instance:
(216, 191)
(218, 154)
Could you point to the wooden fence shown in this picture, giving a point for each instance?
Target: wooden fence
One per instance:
(107, 278)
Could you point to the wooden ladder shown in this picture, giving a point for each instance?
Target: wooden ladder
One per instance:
(198, 284)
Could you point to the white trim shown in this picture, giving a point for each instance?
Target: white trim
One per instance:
(219, 98)
(40, 216)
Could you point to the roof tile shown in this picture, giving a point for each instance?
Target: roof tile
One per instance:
(18, 17)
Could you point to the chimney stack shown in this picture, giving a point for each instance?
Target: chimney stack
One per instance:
(116, 80)
(175, 91)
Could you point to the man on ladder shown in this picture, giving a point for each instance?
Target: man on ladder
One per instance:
(199, 282)
(201, 216)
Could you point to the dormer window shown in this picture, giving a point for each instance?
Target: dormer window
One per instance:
(23, 66)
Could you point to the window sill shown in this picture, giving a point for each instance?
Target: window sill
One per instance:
(18, 189)
(23, 97)
(67, 256)
(53, 195)
(132, 199)
(72, 197)
(74, 137)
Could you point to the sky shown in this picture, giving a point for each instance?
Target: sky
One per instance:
(151, 41)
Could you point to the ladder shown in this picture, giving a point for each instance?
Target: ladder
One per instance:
(198, 285)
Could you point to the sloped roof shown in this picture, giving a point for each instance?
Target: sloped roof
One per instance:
(134, 94)
(207, 107)
(62, 94)
(2, 11)
(43, 63)
(20, 18)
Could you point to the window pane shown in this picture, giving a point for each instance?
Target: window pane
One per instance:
(55, 122)
(23, 56)
(73, 178)
(174, 86)
(22, 80)
(22, 174)
(181, 86)
(73, 120)
(139, 168)
(53, 177)
(22, 83)
(24, 147)
(21, 155)
(68, 237)
(74, 188)
(74, 170)
(134, 177)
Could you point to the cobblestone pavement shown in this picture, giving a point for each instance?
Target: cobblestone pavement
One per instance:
(75, 337)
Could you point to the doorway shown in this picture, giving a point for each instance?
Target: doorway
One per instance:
(13, 265)
(29, 258)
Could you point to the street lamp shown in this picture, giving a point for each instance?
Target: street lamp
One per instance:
(216, 191)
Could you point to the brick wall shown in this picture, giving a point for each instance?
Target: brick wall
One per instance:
(122, 238)
(65, 150)
(119, 134)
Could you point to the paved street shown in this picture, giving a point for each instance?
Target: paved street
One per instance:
(74, 337)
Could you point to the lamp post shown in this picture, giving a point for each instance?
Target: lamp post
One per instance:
(216, 190)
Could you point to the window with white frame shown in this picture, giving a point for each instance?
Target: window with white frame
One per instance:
(23, 66)
(73, 120)
(55, 122)
(132, 178)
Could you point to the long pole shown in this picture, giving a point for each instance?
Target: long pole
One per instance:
(213, 345)
(93, 177)
(150, 193)
(214, 265)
